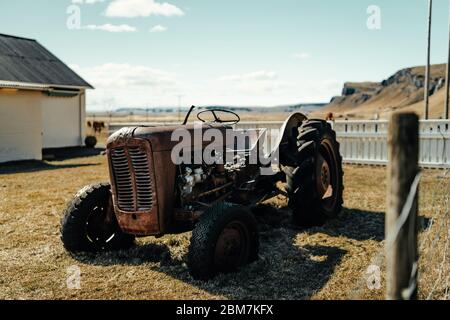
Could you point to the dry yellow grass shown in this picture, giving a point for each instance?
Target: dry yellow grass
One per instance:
(327, 262)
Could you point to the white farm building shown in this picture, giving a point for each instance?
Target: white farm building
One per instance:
(42, 101)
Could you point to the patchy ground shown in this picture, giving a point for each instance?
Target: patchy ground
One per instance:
(320, 263)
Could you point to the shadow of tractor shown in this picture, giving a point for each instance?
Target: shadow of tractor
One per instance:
(284, 270)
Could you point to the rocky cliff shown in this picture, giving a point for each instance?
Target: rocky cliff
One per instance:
(403, 89)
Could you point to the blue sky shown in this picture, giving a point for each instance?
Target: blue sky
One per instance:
(238, 52)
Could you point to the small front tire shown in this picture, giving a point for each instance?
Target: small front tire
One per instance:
(89, 223)
(224, 239)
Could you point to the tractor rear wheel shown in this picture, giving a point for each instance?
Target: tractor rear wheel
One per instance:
(224, 239)
(315, 181)
(89, 223)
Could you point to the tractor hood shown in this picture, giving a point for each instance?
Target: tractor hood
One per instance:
(161, 139)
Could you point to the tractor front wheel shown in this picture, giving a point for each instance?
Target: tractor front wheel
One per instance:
(89, 223)
(225, 238)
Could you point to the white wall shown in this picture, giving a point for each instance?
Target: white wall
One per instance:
(83, 116)
(20, 126)
(61, 121)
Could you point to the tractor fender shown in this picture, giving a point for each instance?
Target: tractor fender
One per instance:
(295, 120)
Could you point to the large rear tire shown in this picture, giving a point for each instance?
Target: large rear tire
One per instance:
(224, 239)
(89, 225)
(315, 181)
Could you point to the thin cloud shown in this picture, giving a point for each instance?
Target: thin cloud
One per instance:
(141, 8)
(117, 75)
(253, 76)
(258, 82)
(158, 28)
(111, 28)
(87, 1)
(130, 85)
(301, 56)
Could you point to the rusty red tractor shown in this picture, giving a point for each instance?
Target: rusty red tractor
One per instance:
(151, 195)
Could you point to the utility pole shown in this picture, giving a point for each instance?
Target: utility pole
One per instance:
(447, 84)
(427, 71)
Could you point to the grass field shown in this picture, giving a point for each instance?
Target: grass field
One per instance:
(326, 262)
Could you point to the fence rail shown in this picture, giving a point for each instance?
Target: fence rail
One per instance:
(363, 142)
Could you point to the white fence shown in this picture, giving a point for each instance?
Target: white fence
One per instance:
(365, 142)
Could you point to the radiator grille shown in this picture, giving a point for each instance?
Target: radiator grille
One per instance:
(131, 171)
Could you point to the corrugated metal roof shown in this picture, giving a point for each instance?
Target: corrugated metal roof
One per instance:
(26, 61)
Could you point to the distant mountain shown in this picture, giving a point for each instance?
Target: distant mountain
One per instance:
(400, 92)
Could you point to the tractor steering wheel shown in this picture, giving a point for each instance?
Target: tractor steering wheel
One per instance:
(217, 119)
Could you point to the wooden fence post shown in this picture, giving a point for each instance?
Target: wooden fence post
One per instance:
(401, 238)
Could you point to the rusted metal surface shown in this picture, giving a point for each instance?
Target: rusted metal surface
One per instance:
(136, 220)
(143, 176)
(157, 144)
(165, 172)
(187, 215)
(233, 246)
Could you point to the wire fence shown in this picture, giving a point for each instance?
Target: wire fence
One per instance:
(434, 242)
(433, 266)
